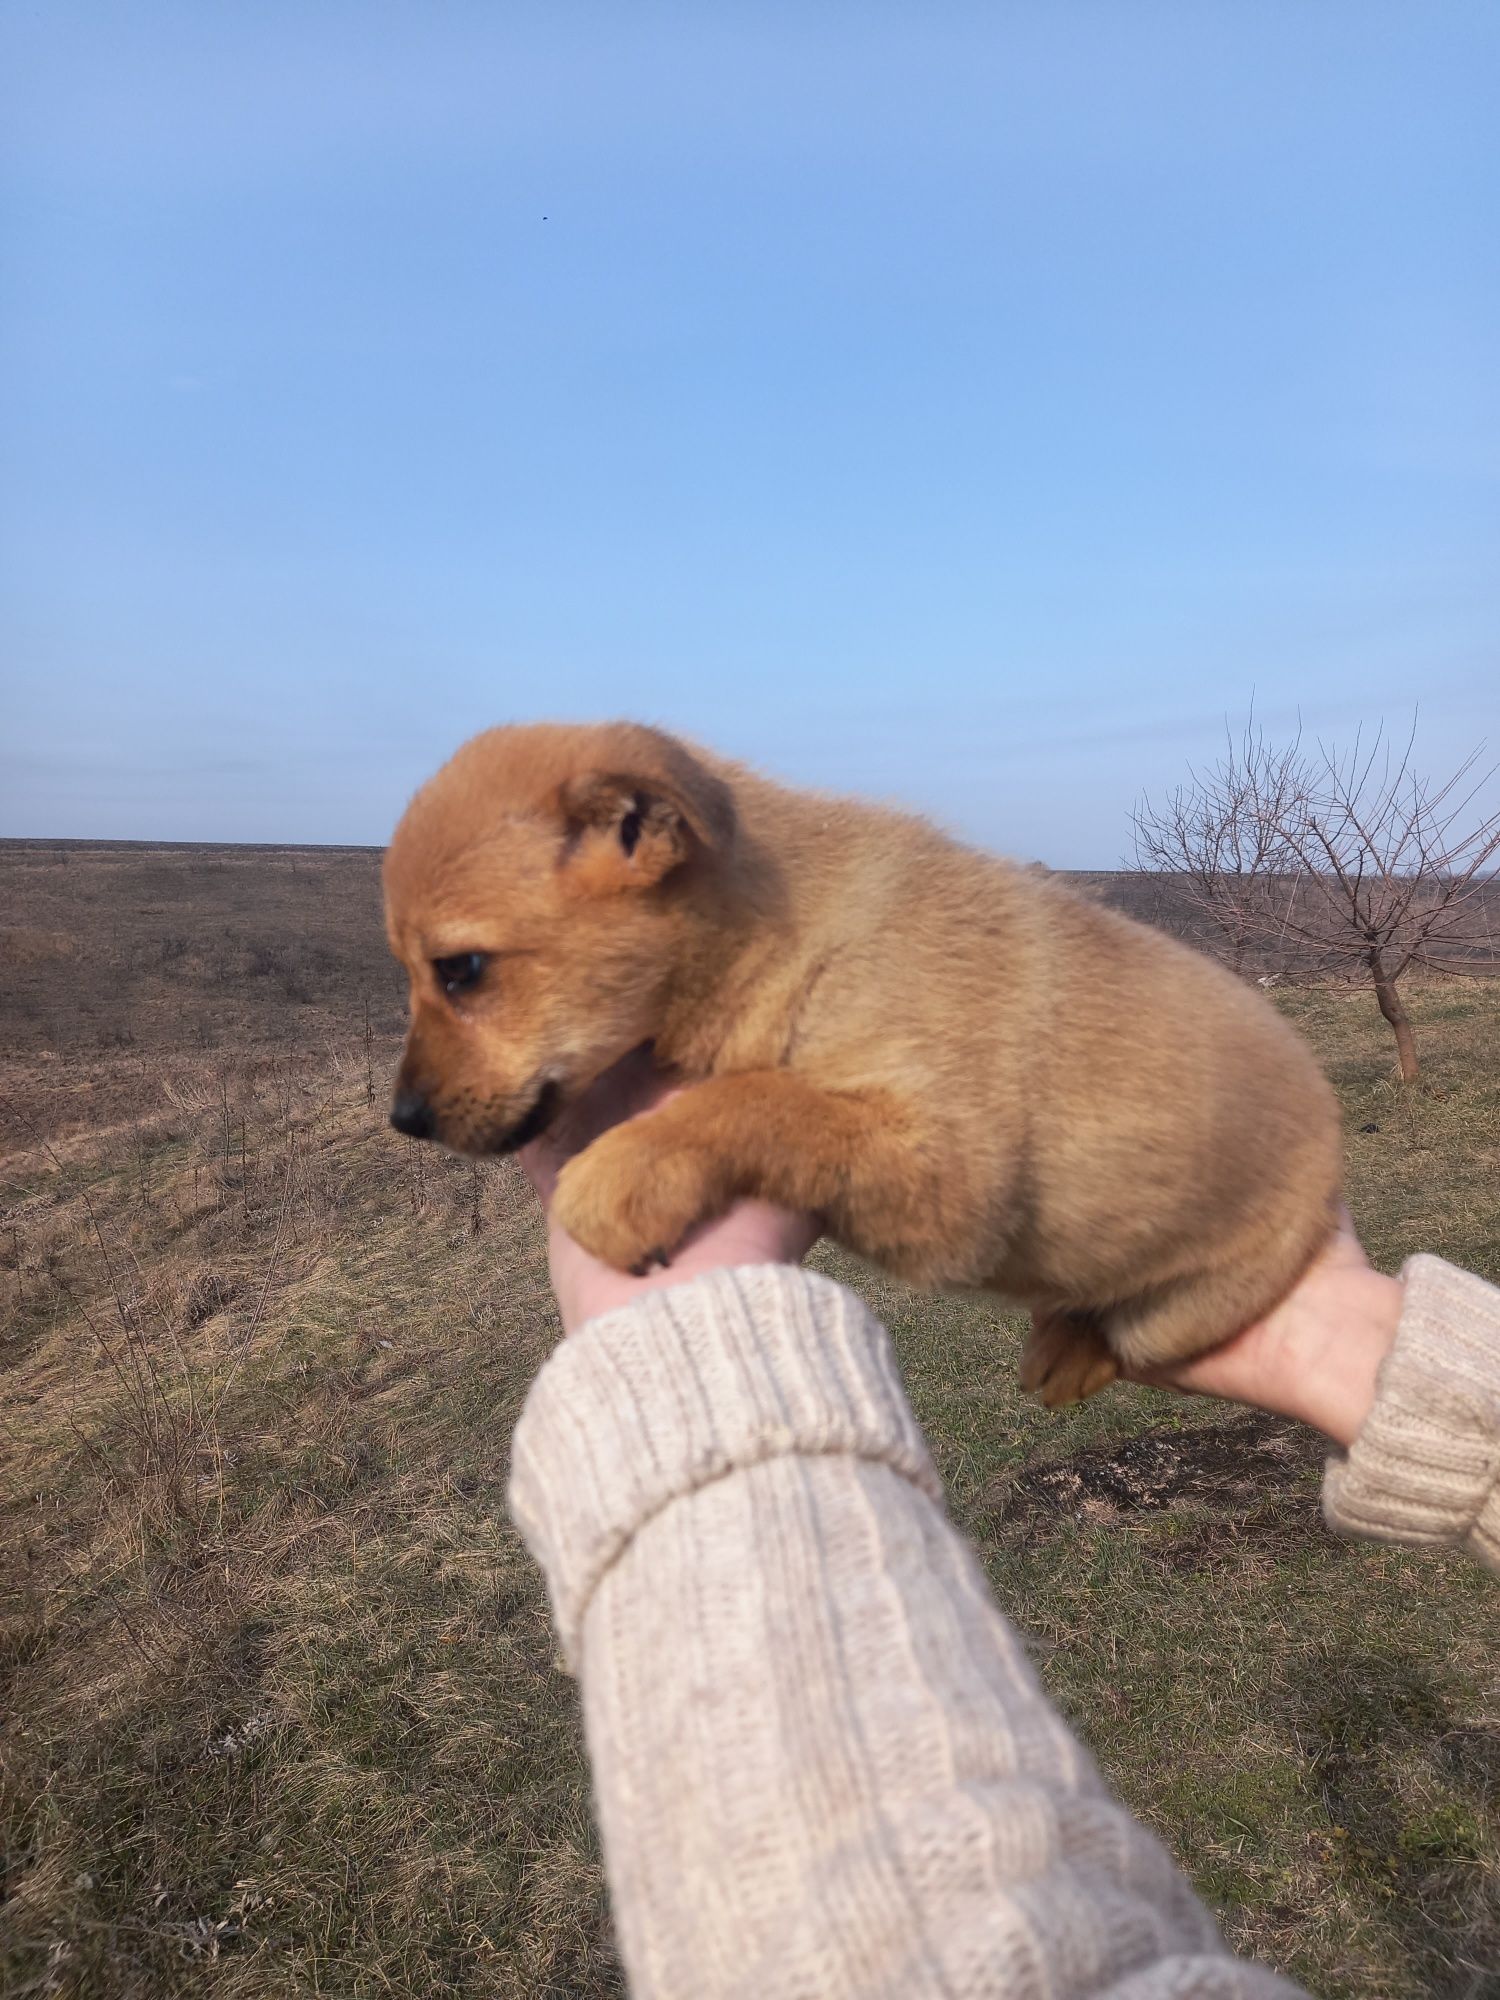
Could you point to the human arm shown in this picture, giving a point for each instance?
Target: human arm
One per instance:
(1403, 1374)
(822, 1761)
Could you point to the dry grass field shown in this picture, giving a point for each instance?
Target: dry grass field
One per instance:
(281, 1709)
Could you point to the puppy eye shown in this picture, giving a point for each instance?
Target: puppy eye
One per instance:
(457, 974)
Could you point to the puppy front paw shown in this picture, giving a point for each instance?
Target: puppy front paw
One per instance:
(631, 1196)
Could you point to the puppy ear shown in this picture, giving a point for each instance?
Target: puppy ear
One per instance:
(628, 831)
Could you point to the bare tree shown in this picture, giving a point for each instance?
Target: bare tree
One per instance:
(1219, 839)
(1334, 861)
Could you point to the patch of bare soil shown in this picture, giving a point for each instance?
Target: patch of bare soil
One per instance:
(1230, 1467)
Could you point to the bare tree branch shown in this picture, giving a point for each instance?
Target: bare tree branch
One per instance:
(1290, 862)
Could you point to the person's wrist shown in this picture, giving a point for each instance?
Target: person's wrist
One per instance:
(1324, 1367)
(752, 1232)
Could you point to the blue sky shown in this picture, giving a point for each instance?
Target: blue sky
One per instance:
(969, 405)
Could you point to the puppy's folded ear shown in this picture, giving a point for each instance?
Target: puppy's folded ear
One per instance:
(629, 830)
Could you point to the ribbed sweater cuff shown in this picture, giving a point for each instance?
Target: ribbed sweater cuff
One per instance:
(648, 1403)
(1425, 1464)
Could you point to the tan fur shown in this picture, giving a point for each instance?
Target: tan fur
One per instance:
(974, 1076)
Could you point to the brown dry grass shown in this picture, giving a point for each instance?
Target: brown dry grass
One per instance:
(286, 1715)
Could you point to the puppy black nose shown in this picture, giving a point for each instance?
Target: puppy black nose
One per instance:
(412, 1114)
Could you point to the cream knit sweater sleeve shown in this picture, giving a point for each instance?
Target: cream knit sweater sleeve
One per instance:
(824, 1767)
(1425, 1468)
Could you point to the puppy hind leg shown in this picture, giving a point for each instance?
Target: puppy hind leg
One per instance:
(1066, 1359)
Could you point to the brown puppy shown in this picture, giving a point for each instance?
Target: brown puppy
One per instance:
(973, 1076)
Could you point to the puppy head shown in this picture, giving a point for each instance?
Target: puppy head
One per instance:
(540, 891)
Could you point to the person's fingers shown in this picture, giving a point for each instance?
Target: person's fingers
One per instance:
(751, 1232)
(1344, 1251)
(1216, 1373)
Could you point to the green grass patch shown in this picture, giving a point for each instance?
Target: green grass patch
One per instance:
(288, 1717)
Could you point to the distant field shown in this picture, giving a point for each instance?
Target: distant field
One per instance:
(283, 1713)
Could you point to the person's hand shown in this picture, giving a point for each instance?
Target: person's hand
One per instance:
(751, 1232)
(1316, 1356)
